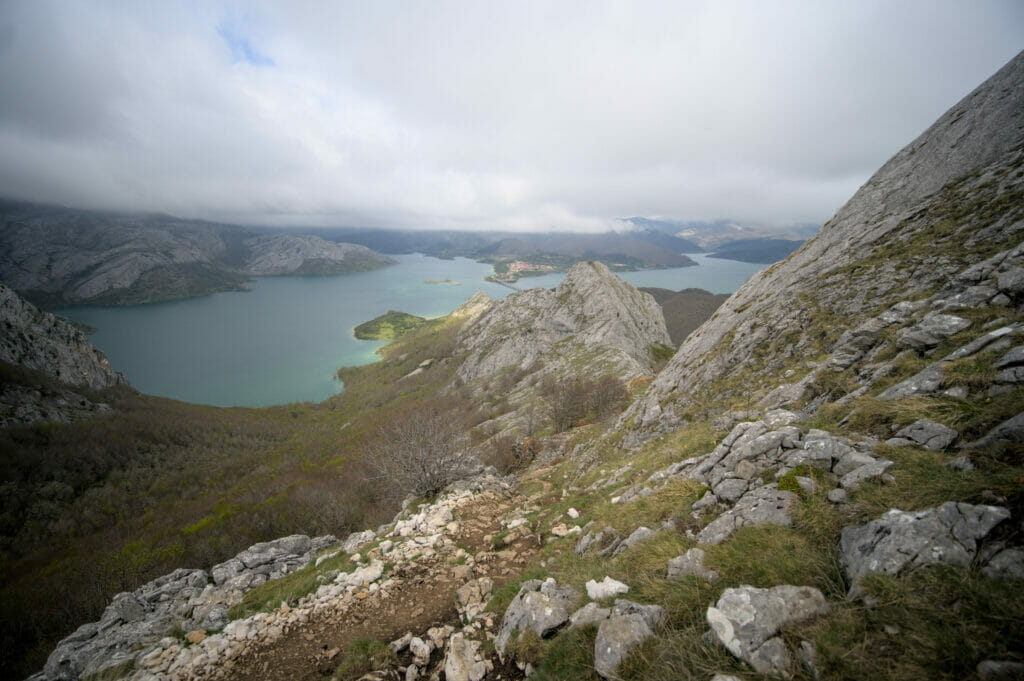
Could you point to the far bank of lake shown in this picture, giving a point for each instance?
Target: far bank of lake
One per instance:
(283, 340)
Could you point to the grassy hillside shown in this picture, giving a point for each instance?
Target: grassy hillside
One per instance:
(104, 504)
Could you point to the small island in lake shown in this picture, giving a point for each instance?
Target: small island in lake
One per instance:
(388, 326)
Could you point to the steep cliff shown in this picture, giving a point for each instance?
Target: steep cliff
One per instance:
(950, 198)
(51, 370)
(39, 340)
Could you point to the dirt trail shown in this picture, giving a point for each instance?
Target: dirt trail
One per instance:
(424, 598)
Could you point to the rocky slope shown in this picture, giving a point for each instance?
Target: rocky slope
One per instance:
(304, 254)
(39, 340)
(592, 314)
(592, 324)
(950, 198)
(58, 256)
(44, 343)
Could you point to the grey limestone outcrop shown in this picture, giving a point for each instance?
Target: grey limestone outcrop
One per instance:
(949, 534)
(39, 340)
(541, 607)
(185, 599)
(927, 434)
(592, 313)
(747, 620)
(1009, 432)
(737, 470)
(691, 563)
(628, 625)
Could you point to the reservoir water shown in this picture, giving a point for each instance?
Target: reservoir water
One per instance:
(283, 341)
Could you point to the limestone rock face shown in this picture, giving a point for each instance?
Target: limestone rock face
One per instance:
(591, 314)
(974, 142)
(302, 254)
(39, 340)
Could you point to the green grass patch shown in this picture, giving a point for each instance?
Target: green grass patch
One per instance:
(935, 623)
(363, 656)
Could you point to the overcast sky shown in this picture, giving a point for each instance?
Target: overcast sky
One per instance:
(473, 114)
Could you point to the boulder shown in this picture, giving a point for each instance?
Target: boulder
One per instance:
(931, 330)
(948, 534)
(929, 434)
(473, 596)
(606, 588)
(463, 662)
(924, 382)
(591, 613)
(1009, 432)
(1012, 282)
(539, 606)
(746, 620)
(1000, 670)
(1013, 358)
(357, 539)
(766, 505)
(691, 563)
(629, 625)
(606, 541)
(637, 535)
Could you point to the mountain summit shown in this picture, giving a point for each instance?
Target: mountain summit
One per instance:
(592, 316)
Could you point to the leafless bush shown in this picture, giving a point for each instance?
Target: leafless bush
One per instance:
(420, 451)
(576, 399)
(507, 454)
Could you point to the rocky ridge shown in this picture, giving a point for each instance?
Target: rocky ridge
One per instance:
(373, 576)
(45, 342)
(961, 175)
(593, 323)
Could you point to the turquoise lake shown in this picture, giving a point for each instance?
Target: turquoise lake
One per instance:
(283, 341)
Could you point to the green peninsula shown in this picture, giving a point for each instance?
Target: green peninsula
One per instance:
(389, 326)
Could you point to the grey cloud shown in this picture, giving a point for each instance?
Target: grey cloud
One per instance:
(451, 114)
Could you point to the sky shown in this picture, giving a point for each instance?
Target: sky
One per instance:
(524, 115)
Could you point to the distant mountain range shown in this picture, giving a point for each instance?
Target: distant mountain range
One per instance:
(757, 250)
(59, 256)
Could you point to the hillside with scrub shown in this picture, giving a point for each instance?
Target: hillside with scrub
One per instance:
(825, 480)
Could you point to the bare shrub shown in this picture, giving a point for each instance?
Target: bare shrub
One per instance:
(609, 396)
(420, 450)
(508, 454)
(575, 400)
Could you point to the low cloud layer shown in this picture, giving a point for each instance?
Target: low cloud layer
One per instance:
(512, 115)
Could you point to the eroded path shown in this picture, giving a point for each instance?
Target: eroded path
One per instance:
(309, 642)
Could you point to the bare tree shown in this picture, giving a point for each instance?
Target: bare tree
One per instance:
(421, 451)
